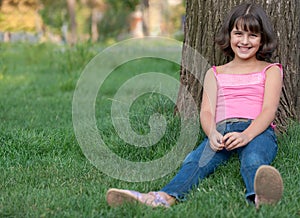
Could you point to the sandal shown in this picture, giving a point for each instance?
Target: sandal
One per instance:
(117, 197)
(158, 200)
(268, 186)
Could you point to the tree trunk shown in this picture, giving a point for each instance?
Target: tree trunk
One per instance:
(203, 21)
(145, 10)
(72, 14)
(94, 25)
(154, 10)
(98, 8)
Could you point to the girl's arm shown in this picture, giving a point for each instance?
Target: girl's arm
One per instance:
(207, 113)
(273, 86)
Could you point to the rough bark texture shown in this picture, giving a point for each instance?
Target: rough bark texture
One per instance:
(203, 21)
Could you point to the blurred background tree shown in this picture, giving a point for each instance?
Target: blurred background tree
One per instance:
(116, 20)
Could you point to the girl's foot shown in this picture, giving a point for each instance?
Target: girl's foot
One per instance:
(116, 197)
(268, 186)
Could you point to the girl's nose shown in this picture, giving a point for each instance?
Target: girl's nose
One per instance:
(245, 40)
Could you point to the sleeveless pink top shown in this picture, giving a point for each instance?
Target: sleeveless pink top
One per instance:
(240, 95)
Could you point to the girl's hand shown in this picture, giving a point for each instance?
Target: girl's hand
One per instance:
(215, 141)
(233, 140)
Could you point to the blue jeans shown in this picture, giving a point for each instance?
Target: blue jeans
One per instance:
(203, 161)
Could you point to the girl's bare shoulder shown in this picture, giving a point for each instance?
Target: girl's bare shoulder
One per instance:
(221, 68)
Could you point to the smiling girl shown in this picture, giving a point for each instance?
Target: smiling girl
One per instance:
(239, 104)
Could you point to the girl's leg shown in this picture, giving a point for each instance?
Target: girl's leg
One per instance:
(196, 166)
(260, 151)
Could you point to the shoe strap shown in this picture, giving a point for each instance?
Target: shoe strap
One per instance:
(159, 200)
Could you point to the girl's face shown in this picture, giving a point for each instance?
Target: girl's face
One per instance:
(244, 44)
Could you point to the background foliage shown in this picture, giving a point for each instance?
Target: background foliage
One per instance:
(115, 20)
(55, 19)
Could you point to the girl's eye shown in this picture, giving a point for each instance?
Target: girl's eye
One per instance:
(238, 33)
(253, 35)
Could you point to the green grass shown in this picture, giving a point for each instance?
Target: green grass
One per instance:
(44, 173)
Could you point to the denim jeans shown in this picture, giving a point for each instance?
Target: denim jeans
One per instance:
(203, 161)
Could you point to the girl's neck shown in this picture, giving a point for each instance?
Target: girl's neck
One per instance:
(247, 62)
(237, 66)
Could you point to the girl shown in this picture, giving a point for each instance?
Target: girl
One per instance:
(239, 103)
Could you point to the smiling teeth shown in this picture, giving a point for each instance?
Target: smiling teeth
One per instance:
(244, 47)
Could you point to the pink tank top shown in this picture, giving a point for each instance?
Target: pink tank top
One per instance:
(240, 95)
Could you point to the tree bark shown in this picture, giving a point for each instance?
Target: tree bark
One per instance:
(72, 14)
(98, 8)
(203, 21)
(94, 25)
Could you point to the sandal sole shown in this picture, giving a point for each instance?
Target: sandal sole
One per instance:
(268, 185)
(117, 197)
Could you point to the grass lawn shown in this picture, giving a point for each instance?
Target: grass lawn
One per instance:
(44, 173)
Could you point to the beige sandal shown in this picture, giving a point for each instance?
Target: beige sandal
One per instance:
(117, 197)
(268, 186)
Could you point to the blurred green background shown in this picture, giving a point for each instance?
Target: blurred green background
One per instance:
(72, 21)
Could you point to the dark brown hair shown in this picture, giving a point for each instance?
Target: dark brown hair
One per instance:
(253, 18)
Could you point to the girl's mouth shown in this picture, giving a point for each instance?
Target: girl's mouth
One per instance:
(243, 48)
